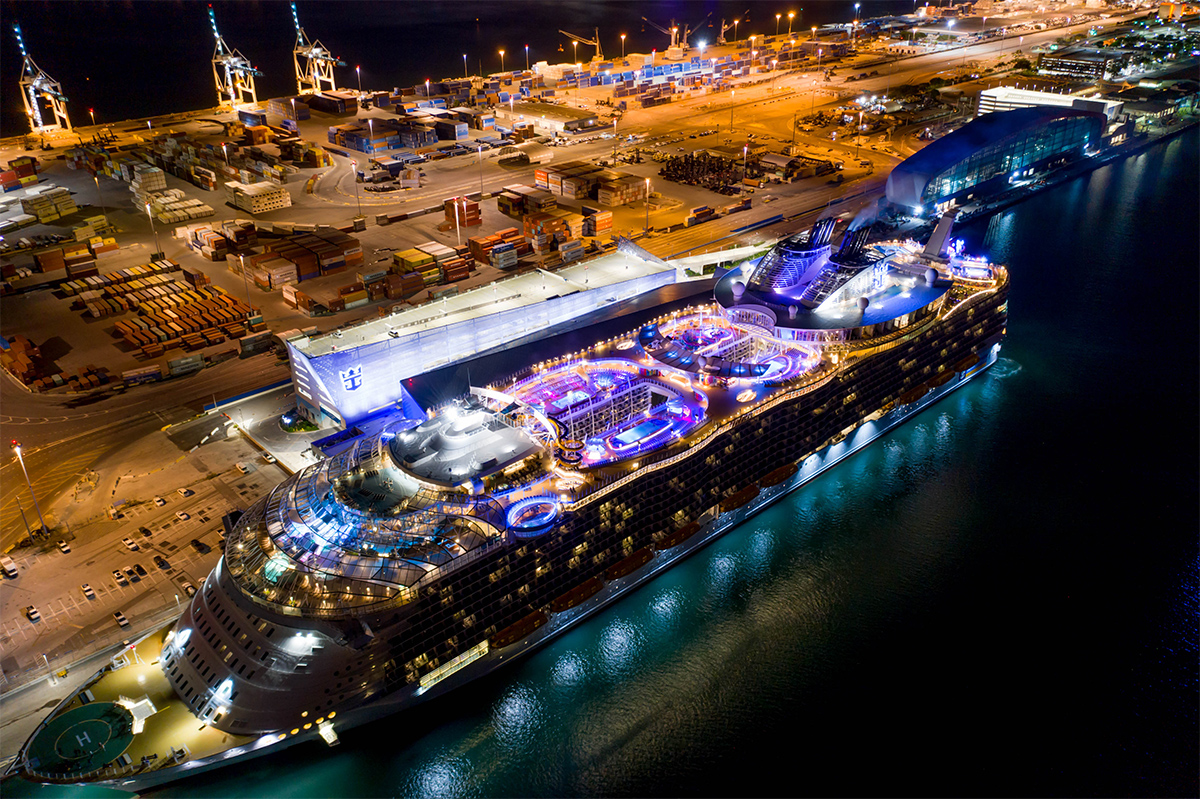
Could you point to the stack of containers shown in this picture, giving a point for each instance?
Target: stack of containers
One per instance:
(20, 358)
(257, 198)
(466, 215)
(621, 191)
(37, 203)
(504, 255)
(21, 172)
(596, 222)
(415, 260)
(100, 246)
(571, 250)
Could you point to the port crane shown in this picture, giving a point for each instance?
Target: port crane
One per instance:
(37, 88)
(745, 17)
(232, 71)
(679, 37)
(595, 42)
(314, 64)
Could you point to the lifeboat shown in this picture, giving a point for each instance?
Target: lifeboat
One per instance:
(779, 475)
(913, 394)
(739, 499)
(578, 594)
(942, 379)
(518, 630)
(624, 567)
(678, 537)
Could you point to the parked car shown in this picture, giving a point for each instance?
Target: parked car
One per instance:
(161, 562)
(189, 589)
(132, 575)
(184, 492)
(145, 531)
(159, 501)
(244, 468)
(268, 457)
(121, 620)
(88, 593)
(181, 516)
(130, 544)
(200, 546)
(120, 578)
(32, 613)
(64, 546)
(141, 571)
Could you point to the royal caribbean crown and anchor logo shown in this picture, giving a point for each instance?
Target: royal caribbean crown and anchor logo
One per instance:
(352, 377)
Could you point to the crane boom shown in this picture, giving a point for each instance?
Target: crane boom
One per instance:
(595, 42)
(725, 28)
(313, 62)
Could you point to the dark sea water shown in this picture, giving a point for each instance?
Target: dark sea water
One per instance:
(999, 598)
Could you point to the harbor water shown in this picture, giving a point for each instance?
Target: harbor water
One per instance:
(999, 597)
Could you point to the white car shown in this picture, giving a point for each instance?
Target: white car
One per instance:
(268, 457)
(87, 591)
(159, 501)
(32, 613)
(184, 492)
(189, 589)
(121, 620)
(181, 516)
(64, 546)
(130, 544)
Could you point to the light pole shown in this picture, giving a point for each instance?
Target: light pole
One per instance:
(358, 72)
(480, 172)
(464, 65)
(622, 47)
(92, 111)
(774, 62)
(427, 88)
(791, 16)
(158, 253)
(17, 449)
(854, 30)
(578, 69)
(354, 176)
(732, 94)
(819, 51)
(575, 57)
(814, 33)
(614, 141)
(812, 107)
(777, 18)
(100, 199)
(735, 36)
(501, 60)
(647, 205)
(742, 188)
(526, 58)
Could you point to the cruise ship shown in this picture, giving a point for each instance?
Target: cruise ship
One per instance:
(437, 550)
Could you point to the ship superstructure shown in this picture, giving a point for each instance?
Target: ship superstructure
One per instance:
(424, 556)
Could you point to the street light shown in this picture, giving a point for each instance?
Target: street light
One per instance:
(427, 88)
(17, 449)
(745, 150)
(480, 173)
(735, 36)
(354, 175)
(464, 65)
(854, 30)
(773, 63)
(158, 253)
(576, 51)
(732, 94)
(92, 111)
(622, 47)
(526, 58)
(100, 199)
(501, 60)
(647, 205)
(358, 72)
(792, 16)
(777, 18)
(814, 31)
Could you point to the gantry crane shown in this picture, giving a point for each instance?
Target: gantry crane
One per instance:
(38, 87)
(679, 36)
(595, 42)
(314, 64)
(232, 71)
(745, 17)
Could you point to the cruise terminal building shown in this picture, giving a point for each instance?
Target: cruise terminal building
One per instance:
(988, 154)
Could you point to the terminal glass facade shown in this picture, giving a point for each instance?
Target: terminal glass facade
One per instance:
(1032, 146)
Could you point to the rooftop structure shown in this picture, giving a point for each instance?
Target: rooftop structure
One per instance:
(1007, 98)
(545, 116)
(351, 373)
